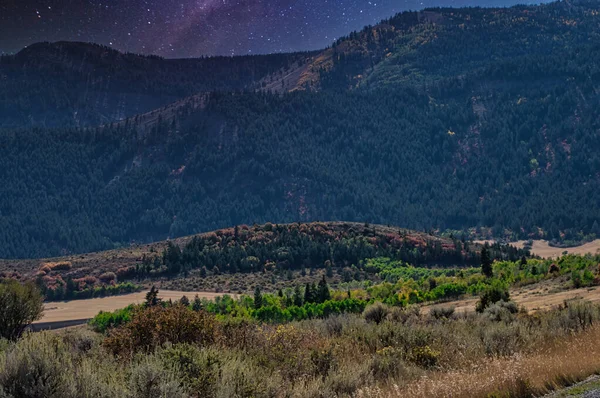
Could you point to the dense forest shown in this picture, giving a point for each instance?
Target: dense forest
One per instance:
(80, 84)
(439, 120)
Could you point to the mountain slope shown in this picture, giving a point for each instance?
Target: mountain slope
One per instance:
(80, 84)
(482, 140)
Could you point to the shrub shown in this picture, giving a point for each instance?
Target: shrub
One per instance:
(152, 327)
(149, 379)
(56, 266)
(492, 295)
(404, 315)
(376, 312)
(126, 272)
(502, 339)
(388, 363)
(242, 378)
(106, 320)
(346, 380)
(37, 366)
(501, 311)
(20, 305)
(199, 369)
(108, 277)
(424, 356)
(442, 312)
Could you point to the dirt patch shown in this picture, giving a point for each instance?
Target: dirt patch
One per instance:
(62, 311)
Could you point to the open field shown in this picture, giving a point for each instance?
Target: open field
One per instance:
(543, 249)
(539, 297)
(63, 311)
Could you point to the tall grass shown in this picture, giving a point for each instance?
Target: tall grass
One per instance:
(402, 354)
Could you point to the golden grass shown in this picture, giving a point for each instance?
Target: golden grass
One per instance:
(564, 363)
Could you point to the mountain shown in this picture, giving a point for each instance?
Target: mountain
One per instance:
(81, 84)
(445, 119)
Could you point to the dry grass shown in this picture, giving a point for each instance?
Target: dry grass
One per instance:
(538, 297)
(543, 249)
(85, 309)
(566, 362)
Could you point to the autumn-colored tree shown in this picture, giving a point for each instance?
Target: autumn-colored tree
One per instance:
(152, 327)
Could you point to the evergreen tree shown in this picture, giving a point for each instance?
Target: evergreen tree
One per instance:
(486, 263)
(184, 301)
(172, 258)
(197, 304)
(523, 263)
(152, 299)
(308, 294)
(323, 293)
(258, 298)
(298, 299)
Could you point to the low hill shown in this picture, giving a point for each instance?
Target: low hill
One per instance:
(269, 248)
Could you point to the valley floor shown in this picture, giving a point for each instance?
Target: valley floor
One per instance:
(543, 249)
(538, 297)
(64, 311)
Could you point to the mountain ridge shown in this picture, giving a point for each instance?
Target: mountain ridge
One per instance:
(436, 135)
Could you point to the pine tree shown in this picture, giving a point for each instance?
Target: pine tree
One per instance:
(152, 299)
(298, 299)
(184, 301)
(323, 292)
(197, 304)
(308, 294)
(523, 262)
(258, 299)
(486, 263)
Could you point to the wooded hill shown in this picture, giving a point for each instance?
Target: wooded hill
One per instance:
(445, 119)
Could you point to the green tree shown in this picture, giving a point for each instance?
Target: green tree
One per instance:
(298, 299)
(197, 304)
(172, 258)
(309, 296)
(486, 263)
(20, 305)
(152, 299)
(258, 298)
(323, 293)
(184, 301)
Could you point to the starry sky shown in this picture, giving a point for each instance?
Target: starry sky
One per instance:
(192, 28)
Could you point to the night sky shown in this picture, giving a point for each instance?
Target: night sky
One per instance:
(191, 28)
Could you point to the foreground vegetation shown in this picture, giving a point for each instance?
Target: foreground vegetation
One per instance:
(175, 351)
(313, 341)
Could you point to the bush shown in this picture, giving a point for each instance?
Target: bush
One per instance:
(152, 327)
(376, 312)
(199, 369)
(149, 379)
(20, 305)
(492, 295)
(501, 311)
(104, 321)
(424, 356)
(442, 312)
(108, 277)
(503, 339)
(37, 366)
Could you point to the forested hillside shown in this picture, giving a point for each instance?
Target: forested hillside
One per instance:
(444, 119)
(80, 84)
